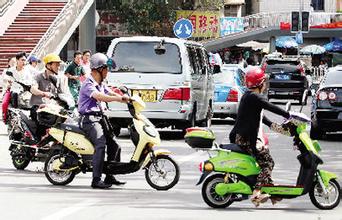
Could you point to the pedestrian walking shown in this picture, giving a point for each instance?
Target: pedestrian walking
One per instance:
(33, 65)
(74, 71)
(86, 64)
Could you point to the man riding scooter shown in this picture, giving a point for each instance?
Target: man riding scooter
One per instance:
(247, 131)
(92, 95)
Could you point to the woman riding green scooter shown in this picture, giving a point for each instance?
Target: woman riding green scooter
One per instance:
(247, 131)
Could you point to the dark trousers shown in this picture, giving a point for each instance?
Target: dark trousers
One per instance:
(92, 126)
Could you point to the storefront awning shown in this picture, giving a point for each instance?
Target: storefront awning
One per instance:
(255, 45)
(234, 2)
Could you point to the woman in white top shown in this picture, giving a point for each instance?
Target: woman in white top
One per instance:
(19, 73)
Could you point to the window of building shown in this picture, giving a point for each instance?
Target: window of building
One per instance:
(318, 5)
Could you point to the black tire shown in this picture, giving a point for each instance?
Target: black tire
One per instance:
(151, 168)
(208, 118)
(209, 195)
(116, 130)
(20, 163)
(315, 132)
(50, 174)
(333, 187)
(192, 122)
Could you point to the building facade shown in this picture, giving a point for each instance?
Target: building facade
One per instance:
(264, 6)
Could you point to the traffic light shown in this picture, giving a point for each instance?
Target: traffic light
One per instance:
(305, 21)
(295, 21)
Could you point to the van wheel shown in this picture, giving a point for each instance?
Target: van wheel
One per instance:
(207, 120)
(193, 118)
(116, 130)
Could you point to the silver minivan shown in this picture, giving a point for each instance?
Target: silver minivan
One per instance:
(172, 76)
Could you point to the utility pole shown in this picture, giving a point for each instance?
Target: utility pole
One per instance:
(300, 14)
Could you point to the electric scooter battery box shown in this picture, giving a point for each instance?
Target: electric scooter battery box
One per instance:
(199, 137)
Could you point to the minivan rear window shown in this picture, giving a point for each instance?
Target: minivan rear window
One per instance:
(141, 57)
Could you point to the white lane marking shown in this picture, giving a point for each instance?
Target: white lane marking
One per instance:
(72, 209)
(190, 157)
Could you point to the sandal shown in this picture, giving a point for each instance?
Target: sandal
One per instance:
(260, 198)
(275, 200)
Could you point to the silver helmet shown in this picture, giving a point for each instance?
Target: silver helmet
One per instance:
(99, 60)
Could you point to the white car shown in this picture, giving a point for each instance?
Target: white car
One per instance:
(229, 88)
(234, 67)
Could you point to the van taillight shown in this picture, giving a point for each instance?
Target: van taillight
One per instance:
(177, 94)
(233, 95)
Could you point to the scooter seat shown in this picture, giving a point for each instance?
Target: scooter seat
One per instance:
(233, 147)
(71, 127)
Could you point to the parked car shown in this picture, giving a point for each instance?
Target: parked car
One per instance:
(287, 79)
(234, 67)
(172, 75)
(326, 112)
(229, 88)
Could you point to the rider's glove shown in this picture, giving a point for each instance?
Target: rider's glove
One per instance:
(280, 129)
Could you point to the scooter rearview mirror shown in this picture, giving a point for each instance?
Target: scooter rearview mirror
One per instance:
(288, 106)
(123, 89)
(305, 96)
(9, 73)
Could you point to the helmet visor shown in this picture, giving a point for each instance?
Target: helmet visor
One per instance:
(110, 64)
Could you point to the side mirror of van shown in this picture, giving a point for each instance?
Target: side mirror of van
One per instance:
(217, 69)
(288, 106)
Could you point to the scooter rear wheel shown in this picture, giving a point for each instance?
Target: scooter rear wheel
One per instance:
(162, 174)
(57, 177)
(329, 201)
(211, 197)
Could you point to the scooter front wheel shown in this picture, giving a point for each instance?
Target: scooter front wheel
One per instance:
(57, 177)
(163, 173)
(210, 196)
(325, 201)
(20, 158)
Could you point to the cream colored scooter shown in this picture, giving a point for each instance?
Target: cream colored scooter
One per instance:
(73, 154)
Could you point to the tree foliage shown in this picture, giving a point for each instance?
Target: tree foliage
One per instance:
(148, 18)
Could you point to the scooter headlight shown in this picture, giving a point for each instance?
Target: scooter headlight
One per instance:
(150, 131)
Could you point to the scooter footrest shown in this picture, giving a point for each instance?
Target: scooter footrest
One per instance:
(121, 167)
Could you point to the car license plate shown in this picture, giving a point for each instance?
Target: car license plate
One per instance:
(282, 77)
(146, 95)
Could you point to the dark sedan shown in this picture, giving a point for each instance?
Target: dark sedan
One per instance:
(326, 112)
(287, 79)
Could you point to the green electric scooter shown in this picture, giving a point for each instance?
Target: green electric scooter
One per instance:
(230, 175)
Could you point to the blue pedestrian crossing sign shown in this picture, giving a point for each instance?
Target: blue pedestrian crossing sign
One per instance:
(183, 28)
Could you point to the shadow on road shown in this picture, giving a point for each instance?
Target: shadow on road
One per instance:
(164, 135)
(333, 137)
(284, 103)
(227, 121)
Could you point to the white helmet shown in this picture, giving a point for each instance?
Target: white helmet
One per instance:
(99, 60)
